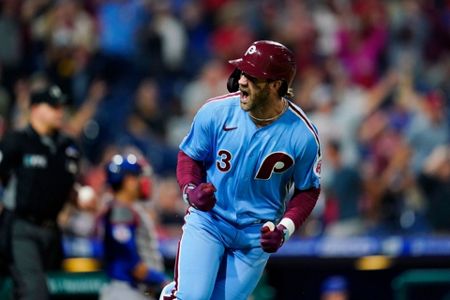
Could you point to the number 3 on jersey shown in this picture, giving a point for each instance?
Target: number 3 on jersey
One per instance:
(223, 164)
(276, 162)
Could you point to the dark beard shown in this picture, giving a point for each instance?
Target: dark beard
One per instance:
(261, 100)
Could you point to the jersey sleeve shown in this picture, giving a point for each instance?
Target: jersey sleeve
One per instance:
(197, 144)
(10, 155)
(308, 165)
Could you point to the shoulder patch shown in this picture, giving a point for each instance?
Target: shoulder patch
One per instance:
(121, 214)
(318, 166)
(121, 233)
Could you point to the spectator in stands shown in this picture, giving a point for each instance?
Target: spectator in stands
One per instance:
(429, 129)
(344, 190)
(434, 181)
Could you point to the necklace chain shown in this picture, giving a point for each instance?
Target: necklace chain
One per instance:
(271, 118)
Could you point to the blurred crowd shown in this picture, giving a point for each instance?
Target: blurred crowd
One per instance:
(374, 77)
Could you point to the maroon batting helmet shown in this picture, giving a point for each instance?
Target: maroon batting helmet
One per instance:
(267, 60)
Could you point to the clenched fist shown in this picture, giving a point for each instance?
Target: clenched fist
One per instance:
(201, 196)
(272, 238)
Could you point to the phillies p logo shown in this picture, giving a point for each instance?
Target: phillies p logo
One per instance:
(276, 162)
(250, 50)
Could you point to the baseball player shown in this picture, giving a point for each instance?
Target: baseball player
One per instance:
(249, 168)
(131, 254)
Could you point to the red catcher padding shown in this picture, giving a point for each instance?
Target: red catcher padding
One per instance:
(267, 60)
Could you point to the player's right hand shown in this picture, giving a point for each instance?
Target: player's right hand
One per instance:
(202, 196)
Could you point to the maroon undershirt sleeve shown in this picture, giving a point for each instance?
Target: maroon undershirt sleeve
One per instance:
(301, 205)
(189, 170)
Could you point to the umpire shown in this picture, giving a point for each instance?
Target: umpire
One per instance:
(38, 167)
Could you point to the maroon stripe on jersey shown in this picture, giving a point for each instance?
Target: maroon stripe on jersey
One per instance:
(223, 97)
(301, 115)
(170, 297)
(175, 275)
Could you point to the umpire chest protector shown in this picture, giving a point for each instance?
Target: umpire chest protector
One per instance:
(40, 171)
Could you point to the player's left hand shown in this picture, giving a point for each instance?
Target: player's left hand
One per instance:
(272, 238)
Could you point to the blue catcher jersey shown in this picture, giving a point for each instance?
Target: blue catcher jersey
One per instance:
(253, 168)
(120, 225)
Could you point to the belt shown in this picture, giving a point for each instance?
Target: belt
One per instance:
(255, 222)
(46, 223)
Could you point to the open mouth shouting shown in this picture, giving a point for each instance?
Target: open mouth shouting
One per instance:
(244, 96)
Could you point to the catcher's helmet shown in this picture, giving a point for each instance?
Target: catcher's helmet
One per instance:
(267, 60)
(121, 165)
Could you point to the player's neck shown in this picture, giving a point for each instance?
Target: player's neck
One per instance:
(124, 197)
(267, 116)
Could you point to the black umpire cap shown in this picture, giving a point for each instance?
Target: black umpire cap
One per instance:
(52, 95)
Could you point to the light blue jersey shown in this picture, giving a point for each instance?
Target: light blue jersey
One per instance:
(253, 168)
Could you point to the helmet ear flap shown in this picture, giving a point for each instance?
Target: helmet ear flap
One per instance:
(233, 81)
